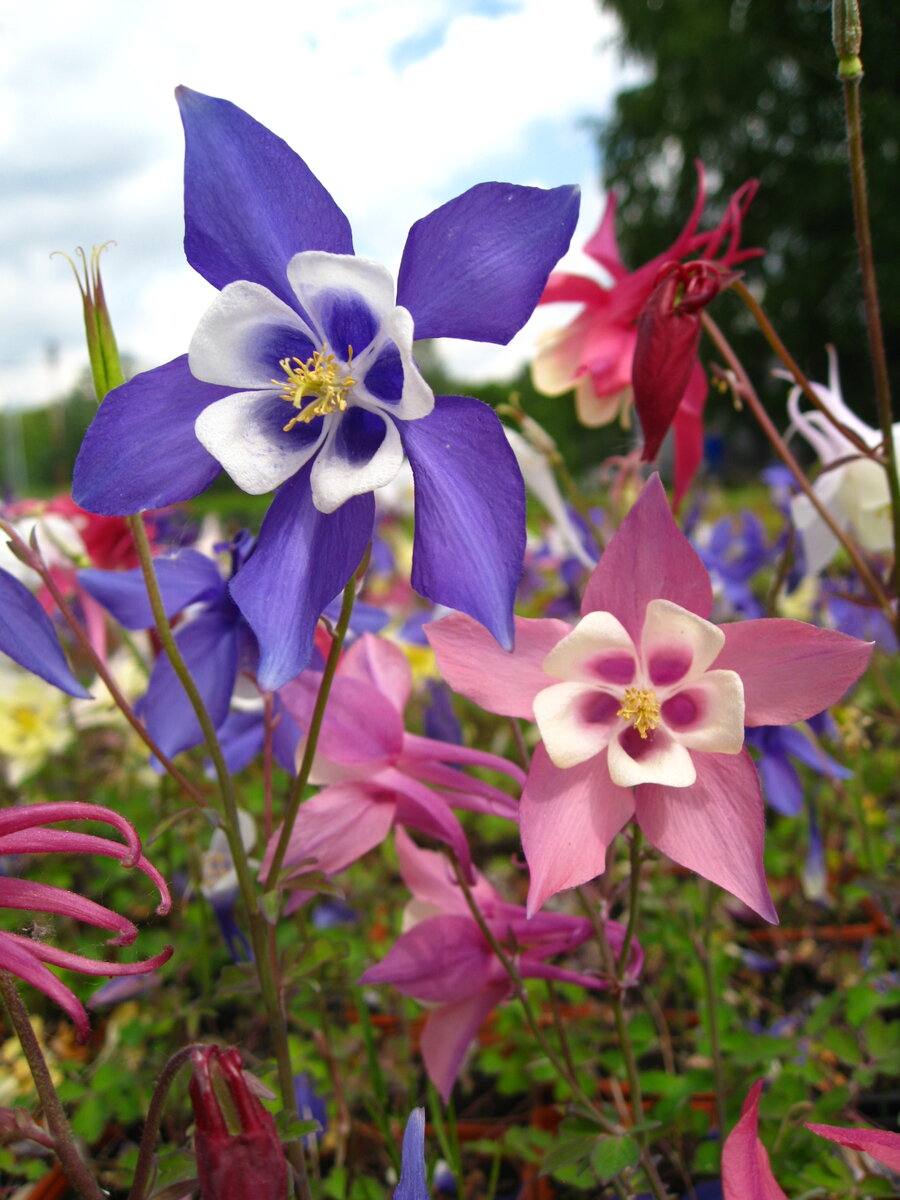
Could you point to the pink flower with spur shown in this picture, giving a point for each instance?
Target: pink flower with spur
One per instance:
(642, 708)
(375, 773)
(746, 1172)
(443, 958)
(594, 352)
(22, 832)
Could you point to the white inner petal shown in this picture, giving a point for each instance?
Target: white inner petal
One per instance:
(718, 727)
(676, 644)
(575, 721)
(335, 478)
(658, 759)
(599, 639)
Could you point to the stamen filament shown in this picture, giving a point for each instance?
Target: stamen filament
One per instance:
(641, 706)
(319, 376)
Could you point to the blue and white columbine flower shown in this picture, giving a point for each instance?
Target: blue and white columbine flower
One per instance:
(301, 377)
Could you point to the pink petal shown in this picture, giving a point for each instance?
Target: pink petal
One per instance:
(463, 791)
(441, 959)
(337, 826)
(475, 666)
(450, 1029)
(90, 966)
(715, 827)
(430, 878)
(648, 558)
(688, 427)
(21, 961)
(424, 749)
(44, 897)
(790, 670)
(602, 245)
(376, 661)
(879, 1144)
(746, 1173)
(568, 819)
(29, 815)
(360, 726)
(418, 807)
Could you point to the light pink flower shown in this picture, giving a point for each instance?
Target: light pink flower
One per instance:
(746, 1172)
(22, 832)
(642, 707)
(594, 352)
(444, 959)
(376, 774)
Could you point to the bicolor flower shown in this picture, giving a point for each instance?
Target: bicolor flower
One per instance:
(301, 377)
(853, 489)
(375, 773)
(22, 831)
(642, 707)
(594, 352)
(443, 959)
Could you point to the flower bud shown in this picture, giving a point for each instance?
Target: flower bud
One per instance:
(106, 369)
(235, 1141)
(668, 334)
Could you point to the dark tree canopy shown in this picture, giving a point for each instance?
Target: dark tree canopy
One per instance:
(750, 87)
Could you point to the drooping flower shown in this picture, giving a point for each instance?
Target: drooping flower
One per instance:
(236, 1143)
(642, 708)
(594, 352)
(301, 377)
(375, 773)
(853, 489)
(443, 958)
(22, 832)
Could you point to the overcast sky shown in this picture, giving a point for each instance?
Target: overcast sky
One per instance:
(397, 105)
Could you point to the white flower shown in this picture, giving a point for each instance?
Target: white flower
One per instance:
(855, 493)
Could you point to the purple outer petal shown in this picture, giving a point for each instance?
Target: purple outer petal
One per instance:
(302, 560)
(183, 578)
(250, 202)
(140, 451)
(209, 646)
(28, 637)
(568, 818)
(469, 538)
(880, 1144)
(648, 558)
(746, 1173)
(476, 266)
(449, 1030)
(715, 827)
(413, 1184)
(790, 670)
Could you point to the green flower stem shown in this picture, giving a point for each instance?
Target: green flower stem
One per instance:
(315, 726)
(231, 826)
(704, 948)
(614, 971)
(877, 353)
(634, 899)
(73, 1164)
(143, 1172)
(747, 392)
(508, 964)
(34, 560)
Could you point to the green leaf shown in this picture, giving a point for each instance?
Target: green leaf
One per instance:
(612, 1155)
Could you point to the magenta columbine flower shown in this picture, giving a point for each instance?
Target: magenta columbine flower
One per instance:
(301, 378)
(642, 708)
(22, 832)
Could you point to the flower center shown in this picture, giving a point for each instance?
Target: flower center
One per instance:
(320, 376)
(640, 706)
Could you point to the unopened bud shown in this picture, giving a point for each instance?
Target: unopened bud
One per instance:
(106, 369)
(846, 34)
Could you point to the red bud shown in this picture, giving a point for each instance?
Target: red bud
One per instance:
(668, 334)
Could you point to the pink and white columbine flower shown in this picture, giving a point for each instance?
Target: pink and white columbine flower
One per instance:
(642, 708)
(22, 832)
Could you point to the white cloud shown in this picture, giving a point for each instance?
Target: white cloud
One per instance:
(397, 105)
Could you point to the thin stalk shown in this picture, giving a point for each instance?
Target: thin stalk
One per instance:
(768, 332)
(748, 393)
(143, 1172)
(853, 114)
(634, 897)
(315, 725)
(37, 564)
(512, 971)
(64, 1145)
(559, 1026)
(704, 953)
(231, 826)
(519, 740)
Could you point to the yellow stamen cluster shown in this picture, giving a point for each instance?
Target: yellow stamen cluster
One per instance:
(319, 376)
(640, 706)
